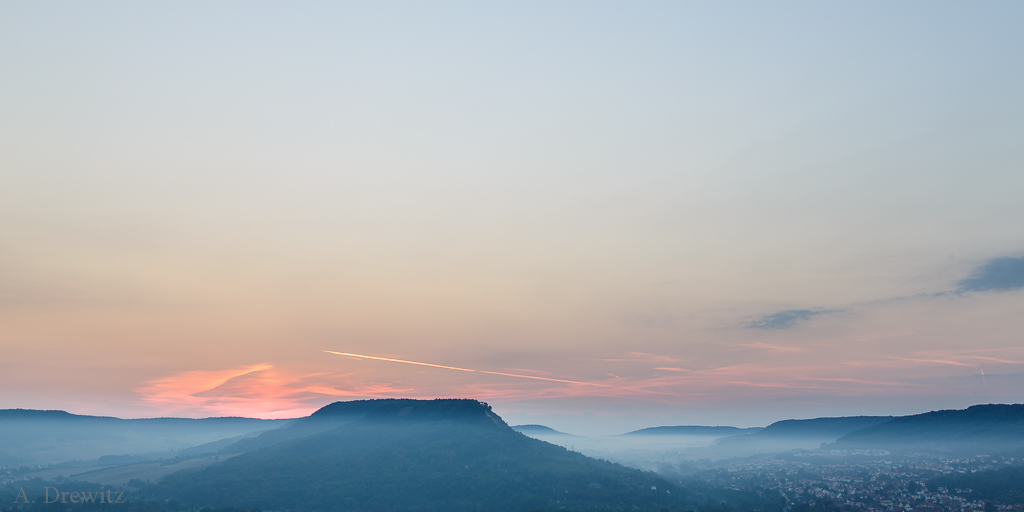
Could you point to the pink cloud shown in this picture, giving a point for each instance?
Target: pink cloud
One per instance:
(259, 391)
(935, 361)
(266, 391)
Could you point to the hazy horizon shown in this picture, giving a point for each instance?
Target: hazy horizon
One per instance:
(610, 424)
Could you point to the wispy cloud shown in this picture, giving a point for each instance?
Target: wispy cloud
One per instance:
(965, 357)
(253, 391)
(934, 361)
(269, 392)
(997, 274)
(263, 390)
(786, 319)
(994, 360)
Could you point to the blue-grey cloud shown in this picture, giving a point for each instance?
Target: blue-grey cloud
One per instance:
(786, 319)
(997, 274)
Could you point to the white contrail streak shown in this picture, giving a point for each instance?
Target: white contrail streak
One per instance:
(361, 356)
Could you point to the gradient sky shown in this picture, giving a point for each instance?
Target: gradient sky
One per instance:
(699, 213)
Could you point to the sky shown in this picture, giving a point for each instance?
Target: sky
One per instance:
(599, 216)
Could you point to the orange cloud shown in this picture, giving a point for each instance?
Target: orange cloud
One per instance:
(259, 391)
(265, 391)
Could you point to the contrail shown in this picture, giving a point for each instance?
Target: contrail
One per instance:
(399, 361)
(466, 369)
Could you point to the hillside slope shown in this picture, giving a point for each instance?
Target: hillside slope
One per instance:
(443, 455)
(977, 429)
(539, 430)
(788, 435)
(326, 418)
(49, 437)
(692, 430)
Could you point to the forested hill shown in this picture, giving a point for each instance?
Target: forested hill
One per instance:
(535, 430)
(691, 430)
(334, 415)
(992, 427)
(443, 455)
(49, 437)
(821, 427)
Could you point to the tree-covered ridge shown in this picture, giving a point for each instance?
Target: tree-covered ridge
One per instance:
(690, 430)
(336, 414)
(419, 455)
(980, 427)
(52, 437)
(822, 427)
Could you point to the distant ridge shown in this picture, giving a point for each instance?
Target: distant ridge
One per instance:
(821, 427)
(691, 430)
(33, 414)
(29, 436)
(56, 414)
(995, 427)
(787, 435)
(538, 430)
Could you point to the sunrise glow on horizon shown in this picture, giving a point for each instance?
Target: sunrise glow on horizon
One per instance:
(658, 213)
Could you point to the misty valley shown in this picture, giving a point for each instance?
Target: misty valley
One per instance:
(458, 455)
